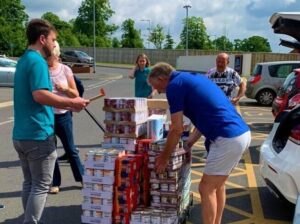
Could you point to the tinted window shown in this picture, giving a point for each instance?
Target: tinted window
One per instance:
(257, 70)
(280, 71)
(7, 63)
(296, 66)
(289, 82)
(72, 53)
(67, 53)
(82, 54)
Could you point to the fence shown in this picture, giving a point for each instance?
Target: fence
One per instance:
(128, 55)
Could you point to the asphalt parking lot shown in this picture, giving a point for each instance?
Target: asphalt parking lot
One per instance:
(249, 201)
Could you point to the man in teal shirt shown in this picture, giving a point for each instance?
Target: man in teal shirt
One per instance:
(33, 132)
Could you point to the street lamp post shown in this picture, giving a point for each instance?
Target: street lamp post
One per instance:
(149, 29)
(187, 30)
(94, 33)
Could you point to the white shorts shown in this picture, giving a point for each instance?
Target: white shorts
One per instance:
(225, 153)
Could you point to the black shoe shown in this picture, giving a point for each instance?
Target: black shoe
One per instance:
(63, 157)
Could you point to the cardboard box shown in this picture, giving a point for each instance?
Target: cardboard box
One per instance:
(95, 220)
(77, 69)
(103, 208)
(158, 104)
(97, 194)
(100, 180)
(99, 165)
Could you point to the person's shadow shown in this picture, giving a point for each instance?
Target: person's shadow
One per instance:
(58, 215)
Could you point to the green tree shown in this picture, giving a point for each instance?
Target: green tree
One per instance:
(169, 42)
(66, 37)
(131, 38)
(157, 36)
(116, 43)
(12, 30)
(83, 24)
(197, 36)
(255, 44)
(237, 44)
(56, 21)
(223, 44)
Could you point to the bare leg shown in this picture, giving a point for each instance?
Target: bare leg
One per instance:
(221, 199)
(208, 188)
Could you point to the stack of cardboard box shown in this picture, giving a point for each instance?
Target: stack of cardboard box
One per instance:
(98, 182)
(125, 120)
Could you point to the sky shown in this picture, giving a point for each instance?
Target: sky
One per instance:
(236, 19)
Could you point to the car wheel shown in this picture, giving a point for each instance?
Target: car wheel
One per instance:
(265, 97)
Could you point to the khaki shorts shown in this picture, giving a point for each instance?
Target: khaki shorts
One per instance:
(225, 153)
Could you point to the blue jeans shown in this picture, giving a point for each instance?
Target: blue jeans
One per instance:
(37, 161)
(64, 130)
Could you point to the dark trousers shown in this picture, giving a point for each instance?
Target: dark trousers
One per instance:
(64, 130)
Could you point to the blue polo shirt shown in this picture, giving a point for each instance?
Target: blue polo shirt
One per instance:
(33, 121)
(142, 89)
(204, 103)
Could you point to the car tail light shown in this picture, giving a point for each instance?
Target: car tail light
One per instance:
(294, 101)
(255, 79)
(295, 135)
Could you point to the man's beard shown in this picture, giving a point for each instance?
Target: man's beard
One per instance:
(47, 51)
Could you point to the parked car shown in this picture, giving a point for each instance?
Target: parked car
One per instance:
(77, 57)
(7, 71)
(266, 79)
(280, 155)
(288, 95)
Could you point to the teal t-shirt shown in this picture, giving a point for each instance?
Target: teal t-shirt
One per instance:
(142, 89)
(33, 121)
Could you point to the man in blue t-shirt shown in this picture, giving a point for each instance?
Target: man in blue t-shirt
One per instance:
(213, 115)
(33, 132)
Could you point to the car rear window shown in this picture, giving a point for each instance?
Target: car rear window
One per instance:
(257, 70)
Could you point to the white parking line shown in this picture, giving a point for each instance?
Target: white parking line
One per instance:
(90, 87)
(103, 83)
(6, 122)
(6, 104)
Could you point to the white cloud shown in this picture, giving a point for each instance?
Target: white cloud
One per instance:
(238, 19)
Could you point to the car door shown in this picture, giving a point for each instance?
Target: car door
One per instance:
(73, 56)
(7, 76)
(3, 76)
(10, 76)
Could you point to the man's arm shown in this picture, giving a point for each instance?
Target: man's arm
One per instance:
(46, 97)
(241, 92)
(172, 140)
(193, 138)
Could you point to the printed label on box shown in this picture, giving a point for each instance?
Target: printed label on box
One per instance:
(99, 194)
(103, 208)
(99, 165)
(101, 180)
(95, 220)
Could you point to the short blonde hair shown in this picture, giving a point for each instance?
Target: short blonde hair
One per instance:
(161, 69)
(56, 50)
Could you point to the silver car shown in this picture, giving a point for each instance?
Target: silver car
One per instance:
(7, 71)
(77, 57)
(266, 79)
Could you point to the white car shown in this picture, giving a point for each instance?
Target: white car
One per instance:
(7, 71)
(280, 156)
